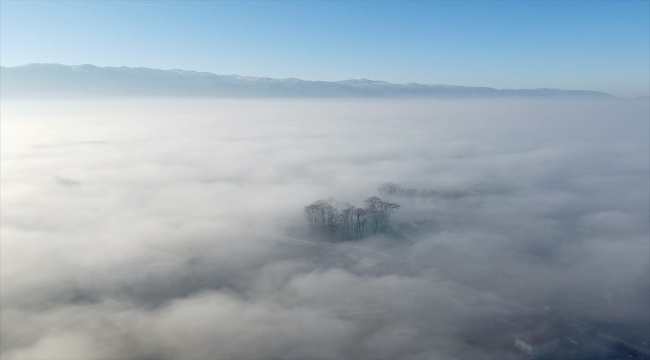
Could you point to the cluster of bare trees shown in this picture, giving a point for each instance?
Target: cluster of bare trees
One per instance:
(349, 222)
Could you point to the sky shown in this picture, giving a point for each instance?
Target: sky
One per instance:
(594, 45)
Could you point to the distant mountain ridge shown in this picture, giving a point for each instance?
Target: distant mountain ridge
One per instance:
(54, 80)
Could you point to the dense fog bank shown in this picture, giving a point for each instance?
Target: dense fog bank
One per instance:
(148, 229)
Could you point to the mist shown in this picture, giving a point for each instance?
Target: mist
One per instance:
(174, 229)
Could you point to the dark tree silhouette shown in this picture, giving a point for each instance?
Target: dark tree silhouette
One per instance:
(360, 217)
(349, 222)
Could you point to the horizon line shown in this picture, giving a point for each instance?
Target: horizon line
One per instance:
(325, 81)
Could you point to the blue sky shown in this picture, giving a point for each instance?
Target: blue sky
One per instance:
(599, 45)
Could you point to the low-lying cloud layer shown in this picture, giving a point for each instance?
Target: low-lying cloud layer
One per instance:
(167, 229)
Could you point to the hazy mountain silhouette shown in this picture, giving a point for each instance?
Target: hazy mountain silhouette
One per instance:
(48, 80)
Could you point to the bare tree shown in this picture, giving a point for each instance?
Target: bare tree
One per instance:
(386, 209)
(331, 216)
(360, 215)
(346, 220)
(311, 213)
(373, 207)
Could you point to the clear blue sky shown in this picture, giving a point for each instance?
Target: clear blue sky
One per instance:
(600, 45)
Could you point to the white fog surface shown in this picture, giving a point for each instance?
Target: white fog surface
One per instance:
(173, 229)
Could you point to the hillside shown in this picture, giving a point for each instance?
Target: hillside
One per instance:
(54, 80)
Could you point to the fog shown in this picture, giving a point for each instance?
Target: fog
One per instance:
(174, 229)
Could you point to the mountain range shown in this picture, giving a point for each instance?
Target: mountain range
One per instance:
(56, 80)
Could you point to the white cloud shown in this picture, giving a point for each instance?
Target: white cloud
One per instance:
(136, 229)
